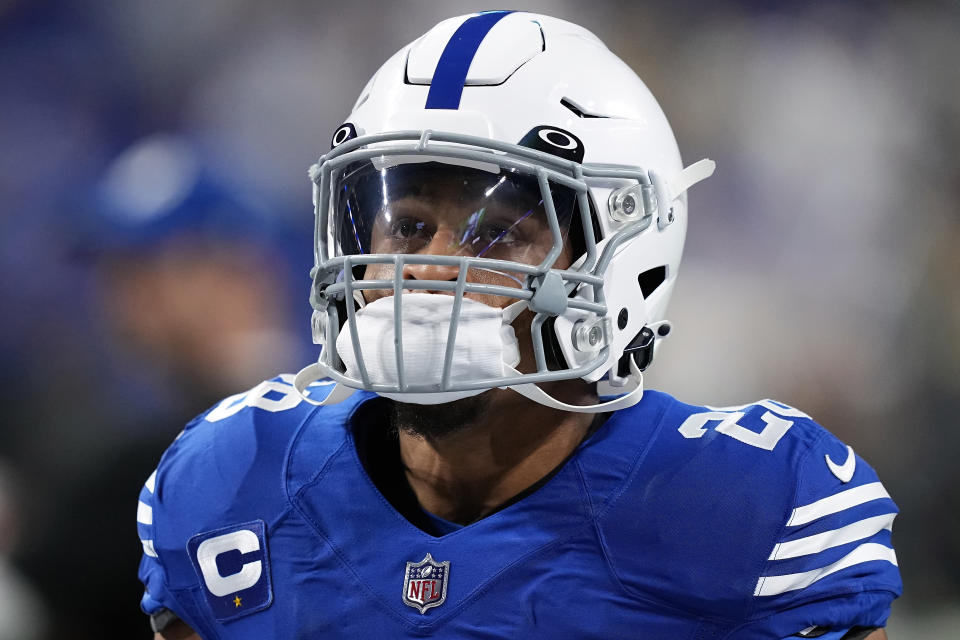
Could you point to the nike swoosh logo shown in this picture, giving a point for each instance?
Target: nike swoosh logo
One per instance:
(843, 471)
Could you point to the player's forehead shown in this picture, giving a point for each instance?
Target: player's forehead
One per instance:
(439, 181)
(436, 192)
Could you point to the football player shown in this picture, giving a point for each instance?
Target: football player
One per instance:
(499, 225)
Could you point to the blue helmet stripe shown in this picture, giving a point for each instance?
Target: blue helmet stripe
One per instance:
(451, 72)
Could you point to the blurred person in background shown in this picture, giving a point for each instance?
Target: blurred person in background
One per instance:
(187, 289)
(188, 271)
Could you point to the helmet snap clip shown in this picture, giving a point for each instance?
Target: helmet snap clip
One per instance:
(640, 349)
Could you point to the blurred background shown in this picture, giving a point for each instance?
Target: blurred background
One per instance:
(155, 236)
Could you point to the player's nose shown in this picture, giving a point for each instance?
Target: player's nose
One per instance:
(441, 244)
(431, 272)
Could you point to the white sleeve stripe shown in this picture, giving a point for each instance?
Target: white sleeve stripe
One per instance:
(837, 502)
(144, 513)
(148, 548)
(860, 530)
(151, 481)
(774, 585)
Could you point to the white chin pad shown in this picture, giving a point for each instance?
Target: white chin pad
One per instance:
(484, 345)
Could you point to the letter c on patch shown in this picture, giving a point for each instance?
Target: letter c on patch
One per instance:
(244, 541)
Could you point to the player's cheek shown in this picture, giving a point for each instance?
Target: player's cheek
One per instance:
(377, 272)
(509, 279)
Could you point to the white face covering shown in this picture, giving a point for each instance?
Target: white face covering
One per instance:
(485, 347)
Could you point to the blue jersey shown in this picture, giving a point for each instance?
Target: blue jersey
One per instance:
(670, 521)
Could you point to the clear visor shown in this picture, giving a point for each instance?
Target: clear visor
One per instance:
(391, 205)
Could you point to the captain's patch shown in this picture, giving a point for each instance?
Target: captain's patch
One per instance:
(234, 568)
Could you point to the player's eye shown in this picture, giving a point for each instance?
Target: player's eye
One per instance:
(401, 232)
(481, 230)
(492, 232)
(407, 228)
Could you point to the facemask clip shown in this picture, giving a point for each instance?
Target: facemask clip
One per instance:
(549, 295)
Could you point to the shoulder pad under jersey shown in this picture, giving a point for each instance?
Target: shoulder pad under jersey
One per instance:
(226, 467)
(746, 512)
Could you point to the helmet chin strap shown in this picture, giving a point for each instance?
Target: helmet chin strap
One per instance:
(536, 394)
(311, 373)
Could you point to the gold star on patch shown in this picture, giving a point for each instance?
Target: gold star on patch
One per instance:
(237, 601)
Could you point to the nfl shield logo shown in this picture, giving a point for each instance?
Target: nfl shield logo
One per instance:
(425, 583)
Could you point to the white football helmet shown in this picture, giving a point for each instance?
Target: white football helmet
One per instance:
(519, 127)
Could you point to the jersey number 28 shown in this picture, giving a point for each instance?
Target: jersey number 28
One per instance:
(727, 418)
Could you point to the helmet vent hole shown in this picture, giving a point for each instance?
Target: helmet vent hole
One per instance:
(622, 318)
(578, 110)
(651, 279)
